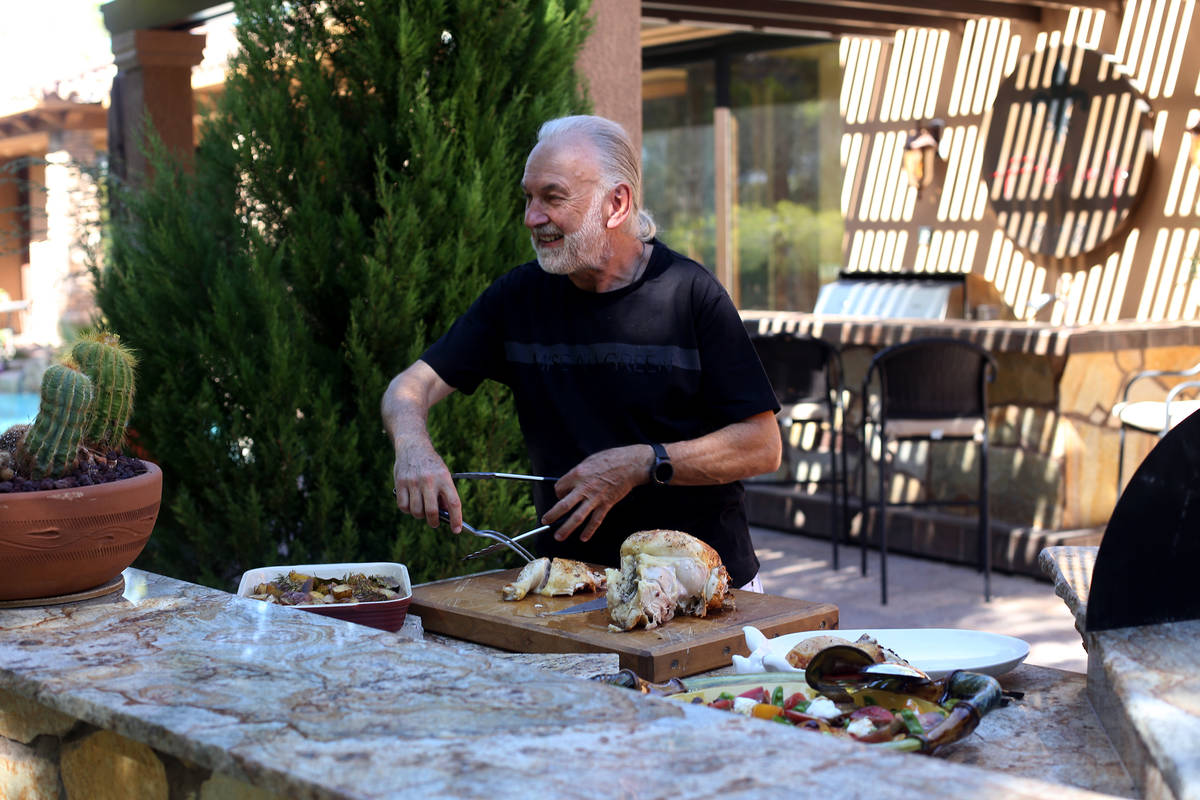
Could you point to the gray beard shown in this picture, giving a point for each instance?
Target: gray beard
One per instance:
(586, 247)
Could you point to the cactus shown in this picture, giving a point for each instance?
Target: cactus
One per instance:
(110, 366)
(11, 438)
(51, 446)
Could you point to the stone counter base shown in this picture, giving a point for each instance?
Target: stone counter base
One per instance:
(46, 755)
(927, 534)
(1142, 682)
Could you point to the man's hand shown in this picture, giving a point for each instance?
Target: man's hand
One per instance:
(595, 485)
(423, 483)
(591, 489)
(424, 486)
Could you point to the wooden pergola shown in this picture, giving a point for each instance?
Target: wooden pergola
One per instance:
(854, 17)
(155, 51)
(28, 130)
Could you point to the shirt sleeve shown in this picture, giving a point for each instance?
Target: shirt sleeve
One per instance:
(471, 350)
(733, 379)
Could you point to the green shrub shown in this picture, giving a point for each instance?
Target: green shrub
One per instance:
(356, 187)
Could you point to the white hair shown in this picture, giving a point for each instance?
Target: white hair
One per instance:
(618, 160)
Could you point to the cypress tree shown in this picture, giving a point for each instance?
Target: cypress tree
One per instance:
(355, 188)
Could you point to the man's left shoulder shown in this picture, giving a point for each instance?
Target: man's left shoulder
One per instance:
(680, 268)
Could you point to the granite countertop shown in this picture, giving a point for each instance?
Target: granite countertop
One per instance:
(1071, 570)
(1143, 682)
(312, 707)
(999, 336)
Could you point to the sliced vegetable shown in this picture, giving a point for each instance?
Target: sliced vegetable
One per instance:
(911, 722)
(797, 700)
(766, 711)
(877, 714)
(757, 694)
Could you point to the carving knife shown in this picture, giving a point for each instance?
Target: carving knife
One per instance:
(580, 608)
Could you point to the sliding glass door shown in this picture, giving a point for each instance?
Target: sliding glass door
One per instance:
(740, 144)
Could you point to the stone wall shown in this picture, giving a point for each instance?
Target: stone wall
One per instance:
(46, 755)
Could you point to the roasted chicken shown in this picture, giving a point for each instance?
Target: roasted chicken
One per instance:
(554, 577)
(664, 573)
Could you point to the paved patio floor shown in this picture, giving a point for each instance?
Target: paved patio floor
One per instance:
(921, 594)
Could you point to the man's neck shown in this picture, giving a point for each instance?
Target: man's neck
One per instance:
(627, 263)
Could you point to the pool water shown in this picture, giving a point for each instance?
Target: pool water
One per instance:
(17, 408)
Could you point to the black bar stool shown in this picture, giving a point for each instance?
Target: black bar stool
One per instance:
(806, 374)
(930, 389)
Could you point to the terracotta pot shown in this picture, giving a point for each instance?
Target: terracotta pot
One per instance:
(61, 542)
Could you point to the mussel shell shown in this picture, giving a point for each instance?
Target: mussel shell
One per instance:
(835, 668)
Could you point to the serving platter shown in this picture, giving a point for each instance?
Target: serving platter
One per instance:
(962, 700)
(935, 651)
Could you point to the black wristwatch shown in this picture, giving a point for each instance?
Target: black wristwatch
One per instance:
(662, 471)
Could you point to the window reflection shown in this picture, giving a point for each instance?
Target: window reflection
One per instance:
(741, 161)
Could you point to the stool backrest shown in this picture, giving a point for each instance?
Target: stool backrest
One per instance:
(933, 378)
(800, 368)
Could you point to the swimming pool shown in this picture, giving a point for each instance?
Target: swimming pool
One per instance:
(17, 408)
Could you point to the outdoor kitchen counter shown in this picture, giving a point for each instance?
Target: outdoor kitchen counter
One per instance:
(1053, 441)
(174, 682)
(1143, 682)
(998, 336)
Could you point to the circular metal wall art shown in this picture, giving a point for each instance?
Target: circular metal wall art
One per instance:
(1068, 151)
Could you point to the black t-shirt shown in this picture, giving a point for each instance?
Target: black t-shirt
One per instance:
(664, 359)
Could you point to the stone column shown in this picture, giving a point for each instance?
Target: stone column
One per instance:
(154, 83)
(66, 223)
(611, 64)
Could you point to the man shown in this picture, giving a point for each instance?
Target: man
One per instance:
(633, 375)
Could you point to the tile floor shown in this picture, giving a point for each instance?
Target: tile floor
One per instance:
(921, 594)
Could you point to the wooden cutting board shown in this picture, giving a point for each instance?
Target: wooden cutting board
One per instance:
(471, 608)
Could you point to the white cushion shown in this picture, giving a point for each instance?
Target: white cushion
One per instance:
(804, 412)
(1151, 415)
(958, 427)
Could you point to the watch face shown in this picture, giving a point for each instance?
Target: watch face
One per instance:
(663, 471)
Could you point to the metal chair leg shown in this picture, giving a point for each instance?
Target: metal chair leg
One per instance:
(844, 500)
(864, 459)
(881, 525)
(985, 521)
(1120, 458)
(835, 516)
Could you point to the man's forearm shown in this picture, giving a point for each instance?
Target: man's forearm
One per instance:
(737, 451)
(422, 482)
(406, 403)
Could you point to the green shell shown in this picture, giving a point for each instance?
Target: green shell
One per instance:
(110, 366)
(51, 446)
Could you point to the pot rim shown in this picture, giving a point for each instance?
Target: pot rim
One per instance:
(153, 474)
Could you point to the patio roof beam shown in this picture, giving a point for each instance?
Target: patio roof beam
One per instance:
(959, 9)
(131, 15)
(852, 9)
(864, 23)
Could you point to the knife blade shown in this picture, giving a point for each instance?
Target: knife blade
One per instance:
(580, 608)
(508, 476)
